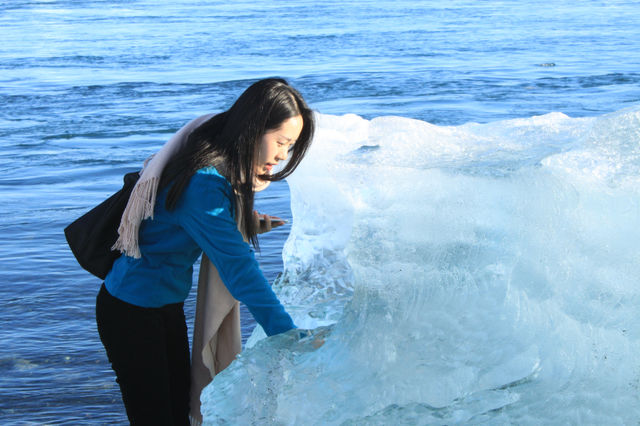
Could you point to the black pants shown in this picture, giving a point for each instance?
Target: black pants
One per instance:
(149, 350)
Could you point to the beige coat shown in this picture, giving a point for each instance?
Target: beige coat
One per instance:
(216, 333)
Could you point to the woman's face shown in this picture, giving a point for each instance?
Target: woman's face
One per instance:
(274, 145)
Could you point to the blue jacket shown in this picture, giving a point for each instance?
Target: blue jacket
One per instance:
(172, 241)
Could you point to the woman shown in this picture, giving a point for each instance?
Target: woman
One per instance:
(198, 194)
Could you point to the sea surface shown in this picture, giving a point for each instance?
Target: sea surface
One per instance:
(467, 222)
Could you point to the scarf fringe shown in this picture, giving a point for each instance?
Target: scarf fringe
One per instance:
(143, 197)
(140, 207)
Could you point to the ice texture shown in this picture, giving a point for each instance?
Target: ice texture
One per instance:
(476, 274)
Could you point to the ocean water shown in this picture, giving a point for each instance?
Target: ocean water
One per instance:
(463, 234)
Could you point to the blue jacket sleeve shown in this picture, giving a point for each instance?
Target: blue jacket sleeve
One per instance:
(206, 215)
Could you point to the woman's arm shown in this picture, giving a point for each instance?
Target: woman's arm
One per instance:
(206, 215)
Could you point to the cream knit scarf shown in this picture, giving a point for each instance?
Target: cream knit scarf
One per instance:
(143, 196)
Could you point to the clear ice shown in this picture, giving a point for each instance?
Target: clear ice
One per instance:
(476, 274)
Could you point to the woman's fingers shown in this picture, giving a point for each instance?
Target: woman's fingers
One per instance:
(276, 221)
(262, 222)
(317, 343)
(265, 223)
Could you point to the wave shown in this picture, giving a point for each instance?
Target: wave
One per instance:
(456, 274)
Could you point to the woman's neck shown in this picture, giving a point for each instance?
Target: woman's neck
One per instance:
(259, 185)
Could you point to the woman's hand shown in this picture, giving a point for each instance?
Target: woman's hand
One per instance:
(317, 340)
(265, 223)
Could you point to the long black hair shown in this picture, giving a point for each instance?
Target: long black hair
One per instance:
(229, 139)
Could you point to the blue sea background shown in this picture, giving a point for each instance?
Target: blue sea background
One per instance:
(89, 89)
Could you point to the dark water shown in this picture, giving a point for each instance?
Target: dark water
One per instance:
(90, 88)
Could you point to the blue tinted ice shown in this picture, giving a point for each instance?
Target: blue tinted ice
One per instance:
(468, 274)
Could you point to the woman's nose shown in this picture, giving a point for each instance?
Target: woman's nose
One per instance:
(282, 154)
